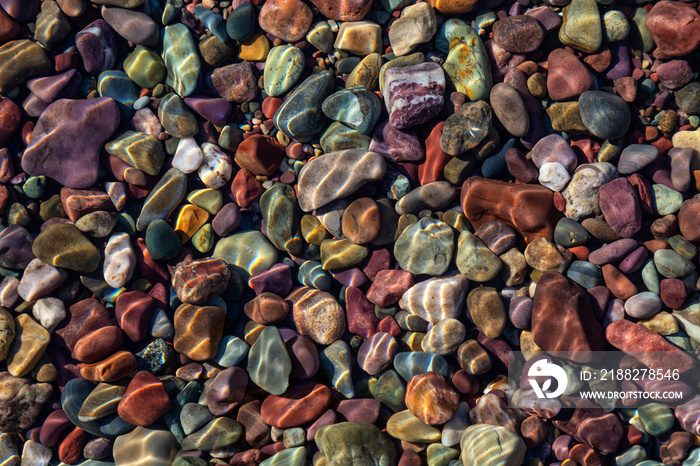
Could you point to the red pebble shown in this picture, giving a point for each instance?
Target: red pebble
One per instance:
(389, 325)
(435, 158)
(144, 401)
(71, 448)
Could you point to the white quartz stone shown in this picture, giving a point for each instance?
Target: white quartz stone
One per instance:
(120, 260)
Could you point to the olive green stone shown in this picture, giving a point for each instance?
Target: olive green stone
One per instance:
(63, 245)
(425, 247)
(581, 28)
(52, 26)
(190, 461)
(670, 264)
(366, 73)
(341, 253)
(269, 365)
(405, 426)
(467, 65)
(287, 457)
(203, 239)
(683, 247)
(364, 443)
(214, 52)
(339, 137)
(459, 168)
(51, 208)
(440, 455)
(655, 419)
(639, 36)
(570, 233)
(181, 59)
(248, 251)
(283, 68)
(35, 186)
(565, 117)
(140, 150)
(336, 364)
(176, 118)
(163, 199)
(475, 260)
(145, 67)
(218, 433)
(650, 277)
(391, 391)
(162, 241)
(488, 445)
(610, 150)
(19, 215)
(208, 199)
(101, 402)
(20, 61)
(664, 200)
(281, 214)
(97, 224)
(230, 137)
(321, 36)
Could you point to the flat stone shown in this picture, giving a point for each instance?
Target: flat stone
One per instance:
(362, 442)
(248, 251)
(484, 444)
(434, 255)
(63, 245)
(21, 60)
(157, 447)
(181, 59)
(269, 365)
(403, 86)
(198, 330)
(605, 115)
(300, 116)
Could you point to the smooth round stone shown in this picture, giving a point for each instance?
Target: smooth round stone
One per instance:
(311, 274)
(321, 36)
(303, 403)
(432, 196)
(226, 390)
(670, 264)
(465, 129)
(29, 344)
(436, 298)
(425, 247)
(444, 337)
(133, 26)
(281, 216)
(361, 222)
(407, 427)
(408, 365)
(509, 107)
(181, 59)
(377, 352)
(300, 117)
(475, 260)
(248, 251)
(117, 85)
(655, 419)
(585, 274)
(581, 28)
(340, 137)
(194, 416)
(145, 67)
(472, 358)
(340, 254)
(49, 312)
(198, 330)
(484, 444)
(156, 447)
(688, 98)
(616, 27)
(39, 279)
(487, 311)
(417, 25)
(101, 402)
(665, 200)
(554, 148)
(355, 107)
(569, 233)
(240, 24)
(643, 305)
(165, 196)
(175, 117)
(140, 150)
(518, 34)
(605, 115)
(269, 365)
(635, 157)
(430, 399)
(283, 67)
(63, 245)
(162, 242)
(554, 176)
(336, 364)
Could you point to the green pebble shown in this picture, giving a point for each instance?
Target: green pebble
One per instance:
(203, 239)
(650, 277)
(18, 215)
(655, 418)
(161, 241)
(664, 200)
(145, 67)
(35, 186)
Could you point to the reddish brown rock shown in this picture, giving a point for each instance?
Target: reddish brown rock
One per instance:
(71, 448)
(133, 311)
(648, 347)
(361, 221)
(235, 83)
(388, 287)
(8, 28)
(360, 312)
(689, 219)
(9, 117)
(201, 280)
(618, 283)
(84, 317)
(257, 433)
(198, 330)
(567, 76)
(297, 406)
(518, 34)
(527, 208)
(144, 401)
(675, 28)
(287, 19)
(435, 158)
(620, 206)
(98, 344)
(245, 188)
(430, 399)
(226, 391)
(260, 154)
(563, 319)
(343, 10)
(266, 309)
(600, 430)
(53, 427)
(673, 292)
(78, 202)
(115, 367)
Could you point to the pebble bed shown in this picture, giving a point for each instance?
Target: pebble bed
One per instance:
(288, 232)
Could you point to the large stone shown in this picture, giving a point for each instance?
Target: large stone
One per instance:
(287, 19)
(81, 125)
(181, 59)
(527, 208)
(425, 247)
(198, 330)
(20, 402)
(337, 175)
(63, 245)
(318, 315)
(248, 251)
(300, 116)
(582, 26)
(20, 61)
(563, 319)
(269, 364)
(355, 444)
(675, 28)
(413, 94)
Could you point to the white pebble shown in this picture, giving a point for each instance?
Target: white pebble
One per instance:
(554, 176)
(217, 169)
(120, 260)
(145, 121)
(39, 280)
(49, 312)
(188, 156)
